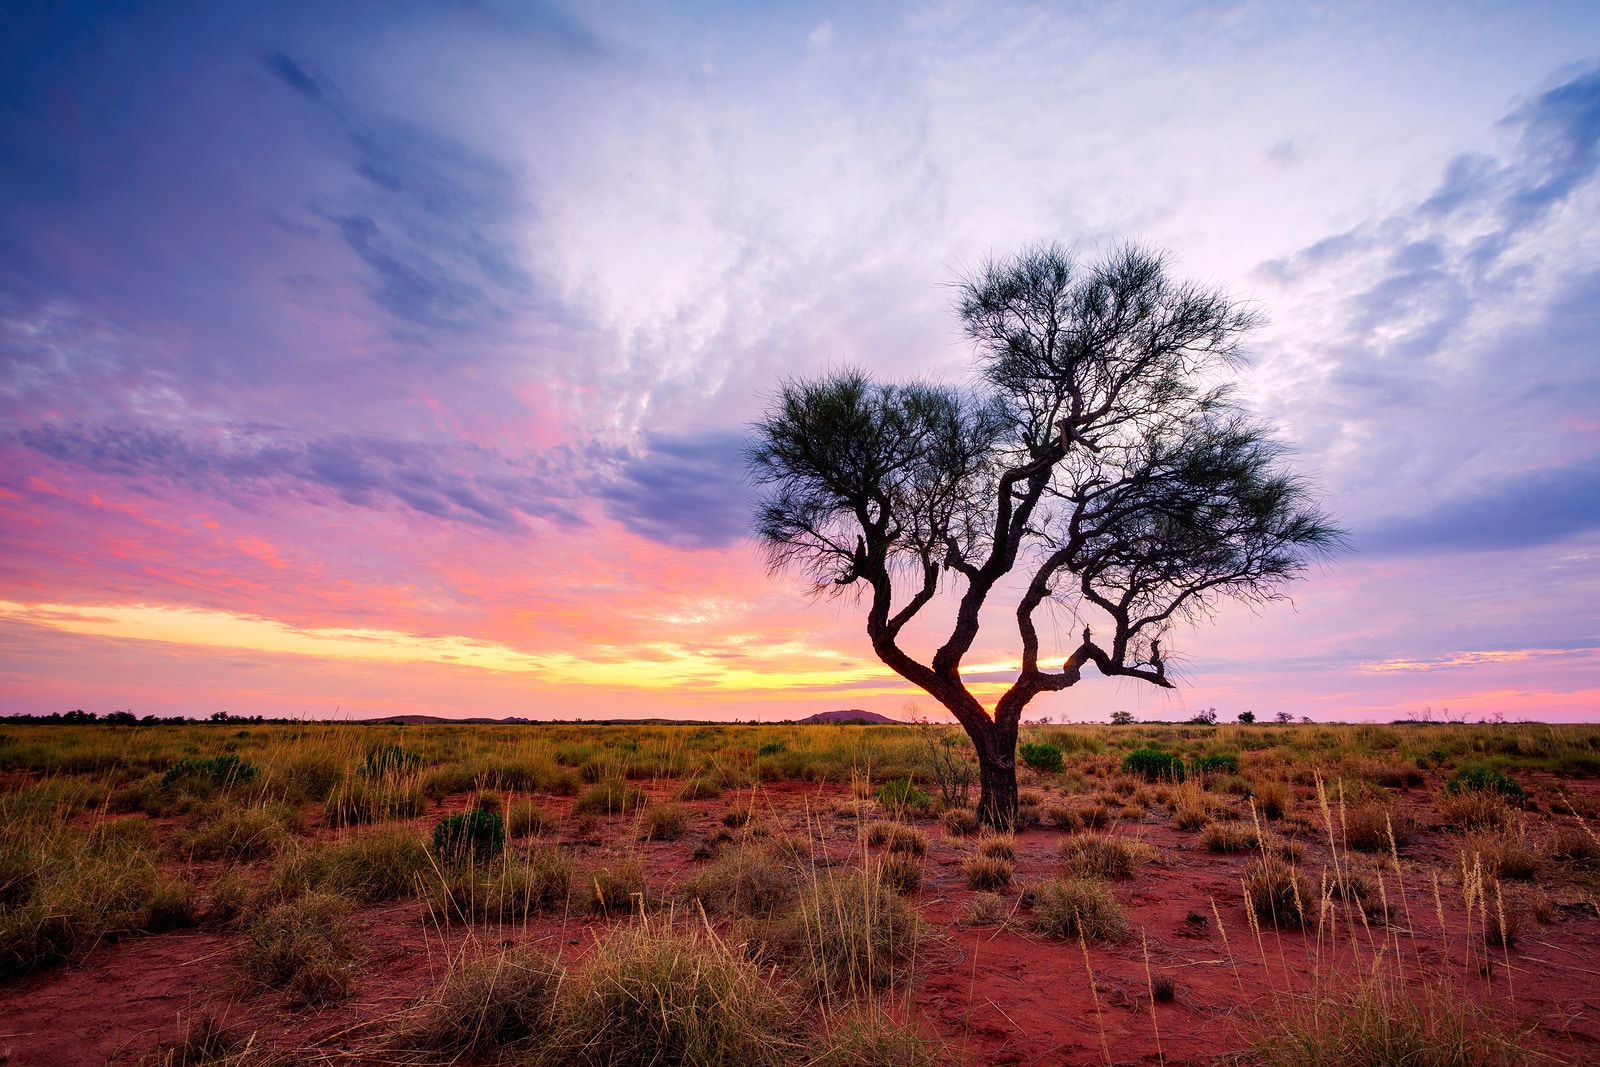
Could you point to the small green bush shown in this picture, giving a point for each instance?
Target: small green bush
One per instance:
(1216, 763)
(1483, 780)
(901, 795)
(1041, 756)
(474, 835)
(1153, 765)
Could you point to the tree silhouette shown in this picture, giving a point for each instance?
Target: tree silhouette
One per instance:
(1103, 458)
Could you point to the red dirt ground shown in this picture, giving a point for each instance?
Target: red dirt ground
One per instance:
(998, 994)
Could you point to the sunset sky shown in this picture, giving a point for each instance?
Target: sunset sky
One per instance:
(375, 358)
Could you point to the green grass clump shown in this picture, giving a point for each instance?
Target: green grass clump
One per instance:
(664, 822)
(901, 796)
(1153, 765)
(505, 892)
(1041, 756)
(752, 880)
(1483, 780)
(615, 888)
(368, 868)
(360, 799)
(244, 833)
(699, 788)
(222, 770)
(652, 995)
(1065, 908)
(65, 889)
(472, 836)
(304, 947)
(609, 797)
(386, 760)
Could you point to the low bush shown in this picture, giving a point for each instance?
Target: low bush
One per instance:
(488, 1005)
(304, 947)
(1041, 756)
(1273, 799)
(1068, 907)
(656, 995)
(1483, 780)
(1277, 891)
(901, 797)
(1215, 763)
(1473, 810)
(472, 836)
(1105, 855)
(1153, 765)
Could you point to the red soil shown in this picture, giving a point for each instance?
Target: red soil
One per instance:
(998, 994)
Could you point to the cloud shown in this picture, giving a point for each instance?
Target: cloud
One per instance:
(686, 491)
(457, 482)
(1535, 508)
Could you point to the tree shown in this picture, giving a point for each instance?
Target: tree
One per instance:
(1101, 464)
(1121, 718)
(1247, 717)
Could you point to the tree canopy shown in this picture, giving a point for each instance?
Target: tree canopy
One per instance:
(1101, 450)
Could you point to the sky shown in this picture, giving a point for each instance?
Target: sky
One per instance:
(373, 358)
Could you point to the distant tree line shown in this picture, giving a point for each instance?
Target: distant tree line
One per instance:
(78, 716)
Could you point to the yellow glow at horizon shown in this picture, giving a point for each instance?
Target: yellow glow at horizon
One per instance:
(649, 666)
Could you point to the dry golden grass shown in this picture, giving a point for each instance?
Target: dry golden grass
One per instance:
(1104, 855)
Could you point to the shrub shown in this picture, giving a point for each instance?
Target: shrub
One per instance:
(1065, 908)
(699, 788)
(851, 934)
(487, 1005)
(1041, 756)
(474, 835)
(901, 796)
(1105, 855)
(1215, 763)
(222, 770)
(650, 995)
(1277, 891)
(527, 819)
(304, 947)
(609, 797)
(664, 822)
(987, 873)
(1483, 780)
(1273, 799)
(1153, 765)
(960, 821)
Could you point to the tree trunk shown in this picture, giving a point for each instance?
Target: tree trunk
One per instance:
(997, 774)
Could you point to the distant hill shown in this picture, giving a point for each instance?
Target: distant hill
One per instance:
(850, 715)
